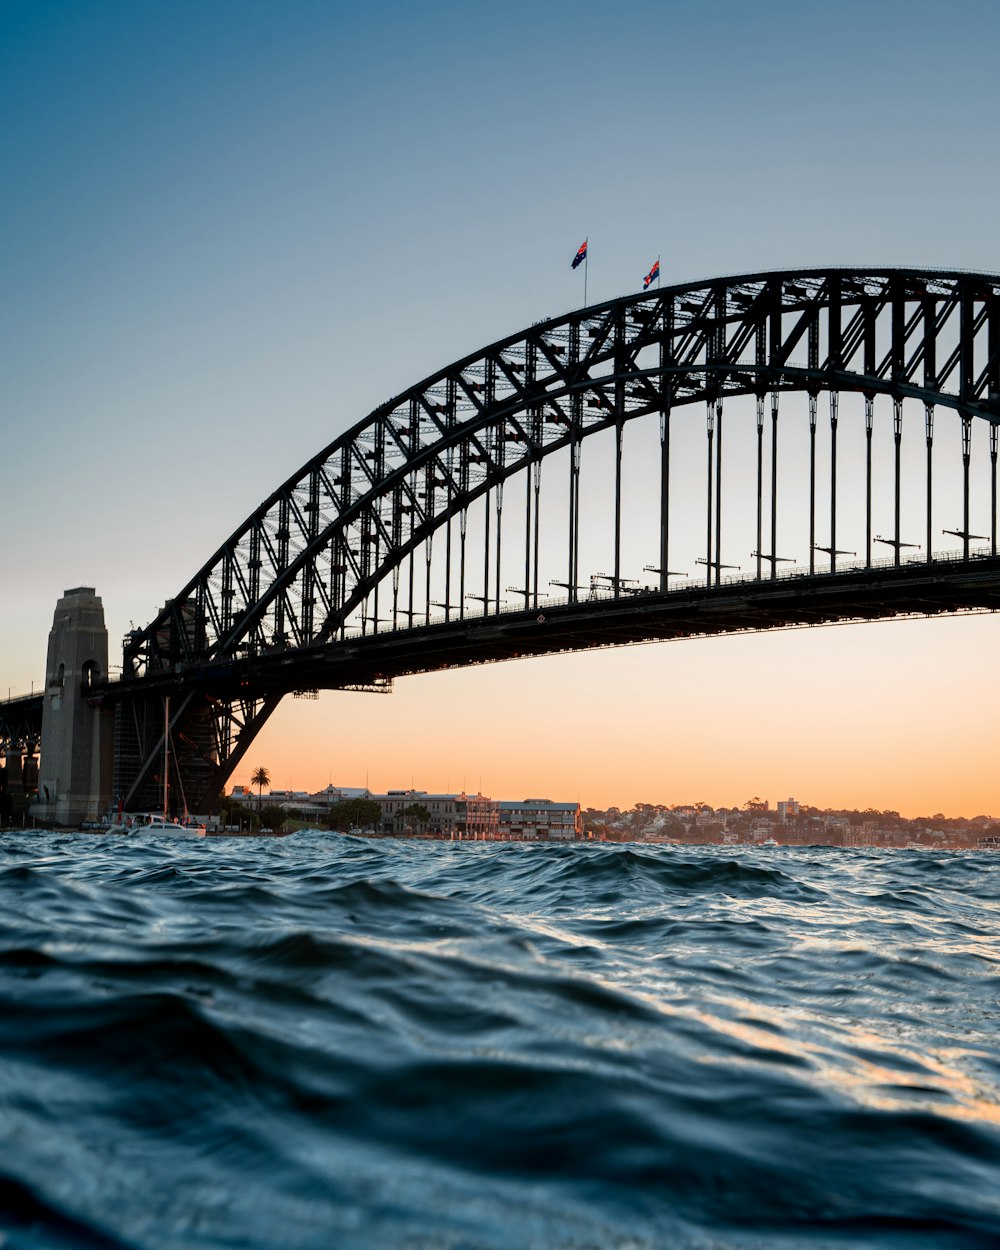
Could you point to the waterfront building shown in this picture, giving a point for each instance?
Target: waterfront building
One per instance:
(540, 820)
(332, 794)
(482, 816)
(295, 800)
(288, 798)
(412, 812)
(451, 815)
(300, 801)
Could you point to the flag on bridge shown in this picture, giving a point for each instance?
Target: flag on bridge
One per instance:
(653, 274)
(581, 254)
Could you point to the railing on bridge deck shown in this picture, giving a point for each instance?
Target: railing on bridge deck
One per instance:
(598, 593)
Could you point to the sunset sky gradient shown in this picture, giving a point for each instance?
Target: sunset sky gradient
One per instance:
(229, 231)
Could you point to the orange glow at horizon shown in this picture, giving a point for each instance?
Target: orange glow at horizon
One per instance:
(889, 715)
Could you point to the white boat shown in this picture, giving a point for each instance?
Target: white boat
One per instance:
(153, 822)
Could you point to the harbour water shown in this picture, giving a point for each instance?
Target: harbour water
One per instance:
(322, 1041)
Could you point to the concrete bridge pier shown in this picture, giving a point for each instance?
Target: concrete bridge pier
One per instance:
(74, 781)
(11, 777)
(10, 783)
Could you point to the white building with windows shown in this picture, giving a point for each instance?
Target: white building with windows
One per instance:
(540, 820)
(451, 815)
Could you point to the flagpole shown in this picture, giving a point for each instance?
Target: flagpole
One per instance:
(657, 273)
(583, 253)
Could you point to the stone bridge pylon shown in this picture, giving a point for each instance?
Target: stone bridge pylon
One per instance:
(74, 783)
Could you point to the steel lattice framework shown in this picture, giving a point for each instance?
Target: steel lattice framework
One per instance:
(324, 556)
(21, 723)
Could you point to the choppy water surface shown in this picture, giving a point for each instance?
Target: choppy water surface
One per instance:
(326, 1042)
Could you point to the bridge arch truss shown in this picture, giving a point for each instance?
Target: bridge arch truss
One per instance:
(365, 534)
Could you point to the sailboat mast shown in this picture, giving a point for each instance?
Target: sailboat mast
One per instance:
(166, 752)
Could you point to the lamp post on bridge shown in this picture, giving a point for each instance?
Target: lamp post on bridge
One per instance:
(570, 589)
(833, 552)
(896, 544)
(447, 607)
(966, 538)
(718, 566)
(774, 561)
(615, 582)
(527, 592)
(663, 574)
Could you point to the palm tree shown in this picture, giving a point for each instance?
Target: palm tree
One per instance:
(260, 778)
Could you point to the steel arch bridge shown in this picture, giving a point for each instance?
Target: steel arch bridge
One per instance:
(331, 582)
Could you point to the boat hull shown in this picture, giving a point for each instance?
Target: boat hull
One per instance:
(157, 824)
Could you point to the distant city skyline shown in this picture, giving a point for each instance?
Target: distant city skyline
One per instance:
(773, 806)
(230, 232)
(415, 812)
(768, 802)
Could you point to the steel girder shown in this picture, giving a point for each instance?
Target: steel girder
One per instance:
(916, 589)
(291, 575)
(21, 723)
(285, 584)
(209, 736)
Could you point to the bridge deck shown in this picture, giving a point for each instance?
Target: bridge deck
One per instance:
(21, 721)
(813, 599)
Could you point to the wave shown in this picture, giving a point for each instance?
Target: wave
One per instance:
(321, 1041)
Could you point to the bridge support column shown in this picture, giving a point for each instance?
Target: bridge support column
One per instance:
(10, 783)
(13, 774)
(74, 781)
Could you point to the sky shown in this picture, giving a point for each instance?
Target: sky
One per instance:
(230, 231)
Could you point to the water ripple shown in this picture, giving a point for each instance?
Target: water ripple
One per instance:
(322, 1040)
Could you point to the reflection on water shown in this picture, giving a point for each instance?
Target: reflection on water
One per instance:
(322, 1041)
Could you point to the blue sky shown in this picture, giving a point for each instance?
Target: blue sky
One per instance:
(228, 231)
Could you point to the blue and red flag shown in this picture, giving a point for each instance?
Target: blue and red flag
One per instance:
(653, 274)
(581, 254)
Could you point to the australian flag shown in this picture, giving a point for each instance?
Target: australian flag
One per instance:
(653, 274)
(581, 254)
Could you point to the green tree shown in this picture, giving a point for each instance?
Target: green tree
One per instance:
(260, 778)
(232, 812)
(417, 813)
(276, 817)
(354, 814)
